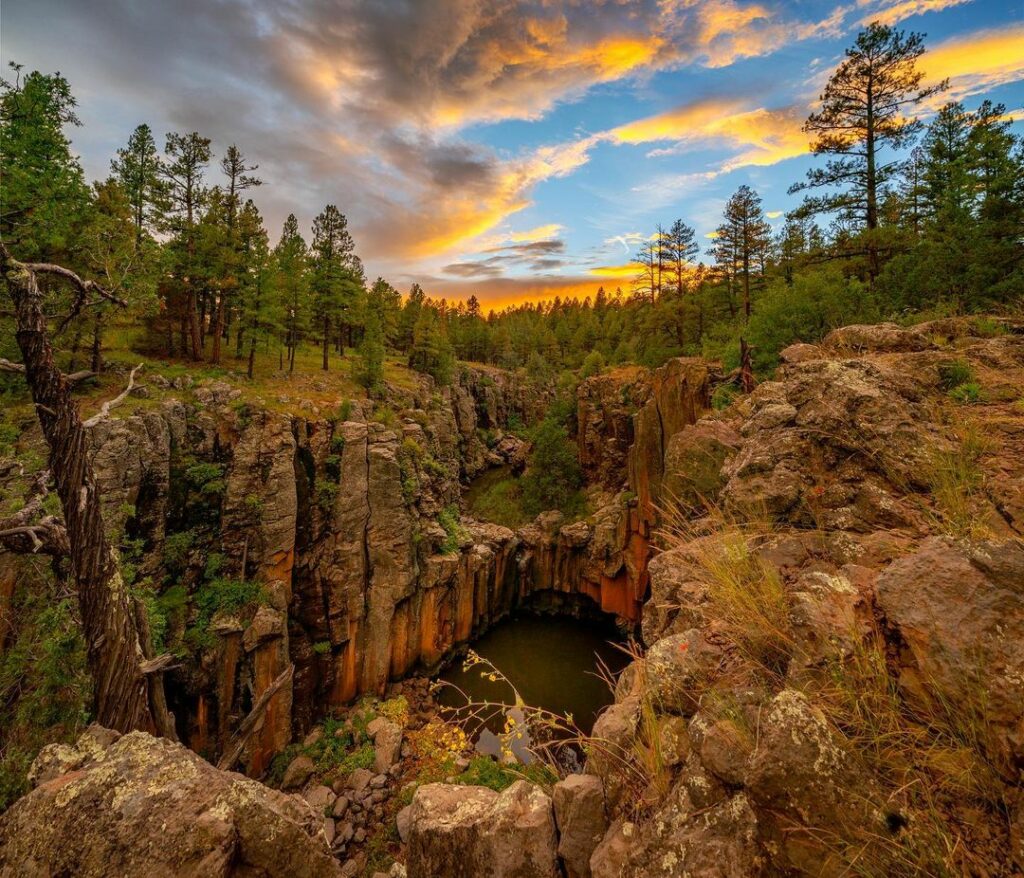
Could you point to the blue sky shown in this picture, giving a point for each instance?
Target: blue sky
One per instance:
(512, 150)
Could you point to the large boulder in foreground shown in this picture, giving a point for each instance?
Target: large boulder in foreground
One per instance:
(136, 806)
(959, 612)
(466, 832)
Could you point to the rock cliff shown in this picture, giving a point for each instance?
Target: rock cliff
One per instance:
(337, 516)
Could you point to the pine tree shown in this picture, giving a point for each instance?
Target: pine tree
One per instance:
(867, 105)
(370, 363)
(137, 169)
(336, 278)
(234, 167)
(291, 261)
(431, 351)
(742, 243)
(680, 248)
(45, 197)
(187, 158)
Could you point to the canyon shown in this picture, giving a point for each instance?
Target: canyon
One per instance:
(824, 578)
(337, 517)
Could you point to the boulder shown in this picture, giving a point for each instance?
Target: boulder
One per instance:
(876, 338)
(609, 857)
(680, 842)
(806, 783)
(387, 742)
(299, 770)
(679, 669)
(959, 612)
(693, 462)
(141, 806)
(467, 832)
(581, 821)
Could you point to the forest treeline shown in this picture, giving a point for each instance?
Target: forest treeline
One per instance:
(901, 217)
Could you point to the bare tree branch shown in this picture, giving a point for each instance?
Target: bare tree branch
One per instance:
(241, 737)
(116, 401)
(72, 379)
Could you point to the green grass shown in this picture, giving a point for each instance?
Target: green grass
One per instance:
(497, 497)
(484, 771)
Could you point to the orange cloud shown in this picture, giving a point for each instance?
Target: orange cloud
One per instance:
(441, 221)
(617, 272)
(538, 234)
(896, 12)
(764, 136)
(977, 62)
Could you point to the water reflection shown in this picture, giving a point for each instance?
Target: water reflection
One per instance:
(553, 662)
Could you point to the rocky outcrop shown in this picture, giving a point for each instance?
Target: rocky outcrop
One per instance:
(605, 408)
(958, 611)
(680, 394)
(465, 832)
(581, 820)
(139, 806)
(856, 583)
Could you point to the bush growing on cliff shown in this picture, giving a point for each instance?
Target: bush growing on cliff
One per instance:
(449, 519)
(593, 364)
(44, 685)
(804, 311)
(554, 477)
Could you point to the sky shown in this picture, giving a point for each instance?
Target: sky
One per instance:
(511, 150)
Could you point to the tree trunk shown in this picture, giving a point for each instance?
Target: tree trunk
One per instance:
(746, 368)
(97, 343)
(193, 324)
(125, 696)
(218, 330)
(327, 340)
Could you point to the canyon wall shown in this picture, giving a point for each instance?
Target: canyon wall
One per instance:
(338, 518)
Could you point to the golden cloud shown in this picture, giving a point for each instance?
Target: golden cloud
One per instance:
(892, 13)
(540, 233)
(977, 62)
(764, 136)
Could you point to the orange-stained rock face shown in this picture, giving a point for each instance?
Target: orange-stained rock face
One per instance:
(340, 520)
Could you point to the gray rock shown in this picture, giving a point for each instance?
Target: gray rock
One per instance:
(463, 831)
(581, 821)
(299, 770)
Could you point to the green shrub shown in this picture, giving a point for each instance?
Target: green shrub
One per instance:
(326, 492)
(206, 478)
(967, 394)
(449, 519)
(220, 595)
(724, 396)
(486, 772)
(177, 548)
(8, 438)
(593, 364)
(322, 647)
(500, 502)
(954, 373)
(554, 477)
(804, 311)
(515, 424)
(45, 688)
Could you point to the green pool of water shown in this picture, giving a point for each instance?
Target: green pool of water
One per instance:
(553, 662)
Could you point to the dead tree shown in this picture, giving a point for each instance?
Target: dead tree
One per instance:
(127, 684)
(747, 381)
